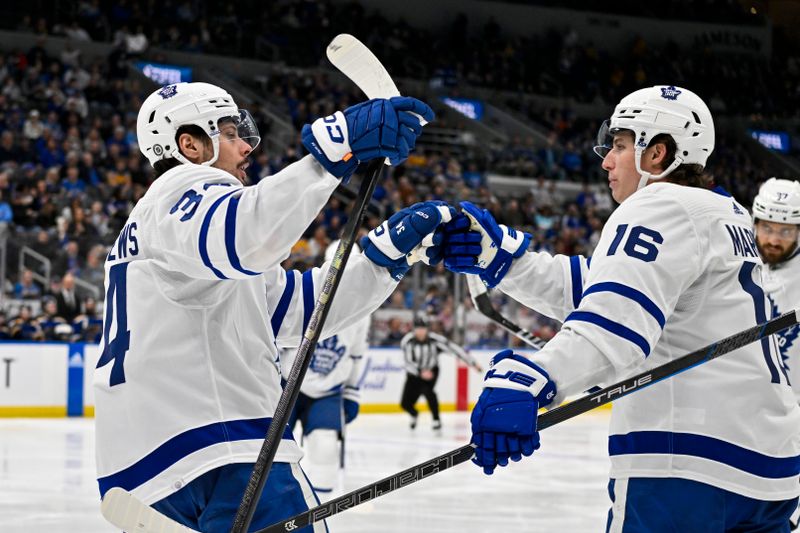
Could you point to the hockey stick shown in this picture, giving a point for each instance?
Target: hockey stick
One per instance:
(127, 512)
(482, 302)
(548, 419)
(356, 61)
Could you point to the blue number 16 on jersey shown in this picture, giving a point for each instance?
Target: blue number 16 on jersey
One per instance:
(116, 298)
(641, 243)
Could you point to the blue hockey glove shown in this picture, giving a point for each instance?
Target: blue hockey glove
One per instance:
(504, 419)
(376, 128)
(474, 243)
(407, 237)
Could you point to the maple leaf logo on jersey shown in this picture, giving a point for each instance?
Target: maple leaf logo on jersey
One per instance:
(737, 210)
(327, 356)
(670, 93)
(785, 341)
(168, 91)
(786, 338)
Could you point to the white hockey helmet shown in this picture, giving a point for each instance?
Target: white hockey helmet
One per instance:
(778, 201)
(667, 109)
(183, 104)
(330, 251)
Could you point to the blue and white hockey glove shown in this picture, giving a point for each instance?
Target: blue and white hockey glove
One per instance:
(407, 237)
(351, 397)
(375, 128)
(504, 419)
(474, 243)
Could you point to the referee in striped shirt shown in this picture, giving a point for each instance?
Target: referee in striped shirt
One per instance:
(421, 350)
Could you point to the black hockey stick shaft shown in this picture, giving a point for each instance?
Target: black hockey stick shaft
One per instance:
(266, 456)
(546, 420)
(482, 302)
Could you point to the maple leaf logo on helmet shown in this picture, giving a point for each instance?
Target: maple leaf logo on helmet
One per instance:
(670, 93)
(168, 91)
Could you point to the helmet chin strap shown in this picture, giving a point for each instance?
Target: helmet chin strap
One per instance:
(647, 176)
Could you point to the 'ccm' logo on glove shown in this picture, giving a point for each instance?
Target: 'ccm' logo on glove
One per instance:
(516, 377)
(513, 371)
(338, 136)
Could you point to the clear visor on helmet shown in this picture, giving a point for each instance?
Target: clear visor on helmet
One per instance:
(241, 126)
(605, 139)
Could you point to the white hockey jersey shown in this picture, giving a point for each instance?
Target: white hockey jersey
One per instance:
(196, 304)
(782, 283)
(676, 268)
(336, 363)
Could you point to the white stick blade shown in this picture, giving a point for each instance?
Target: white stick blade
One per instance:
(358, 63)
(127, 512)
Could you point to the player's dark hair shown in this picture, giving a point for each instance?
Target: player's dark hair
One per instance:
(162, 165)
(690, 175)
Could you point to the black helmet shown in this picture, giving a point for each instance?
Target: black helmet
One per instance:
(420, 321)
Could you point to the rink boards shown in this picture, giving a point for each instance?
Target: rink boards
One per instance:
(55, 379)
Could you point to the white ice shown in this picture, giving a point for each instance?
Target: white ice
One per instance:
(47, 479)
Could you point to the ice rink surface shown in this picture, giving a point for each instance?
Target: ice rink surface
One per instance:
(47, 479)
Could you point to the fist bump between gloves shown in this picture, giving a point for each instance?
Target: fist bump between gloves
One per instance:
(474, 243)
(410, 235)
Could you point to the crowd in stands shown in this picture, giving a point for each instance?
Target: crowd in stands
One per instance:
(70, 170)
(572, 67)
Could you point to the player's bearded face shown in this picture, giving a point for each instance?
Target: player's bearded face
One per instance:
(621, 167)
(775, 241)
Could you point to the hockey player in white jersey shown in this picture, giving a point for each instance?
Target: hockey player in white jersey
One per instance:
(713, 449)
(329, 397)
(189, 377)
(776, 213)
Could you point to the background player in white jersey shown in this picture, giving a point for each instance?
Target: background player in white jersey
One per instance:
(776, 212)
(189, 377)
(714, 449)
(421, 348)
(329, 397)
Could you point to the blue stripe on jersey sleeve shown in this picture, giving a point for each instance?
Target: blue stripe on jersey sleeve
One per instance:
(185, 444)
(230, 237)
(283, 304)
(720, 451)
(611, 326)
(577, 282)
(203, 242)
(629, 292)
(308, 297)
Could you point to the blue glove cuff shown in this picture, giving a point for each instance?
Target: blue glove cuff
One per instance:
(547, 393)
(498, 268)
(526, 242)
(397, 267)
(340, 169)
